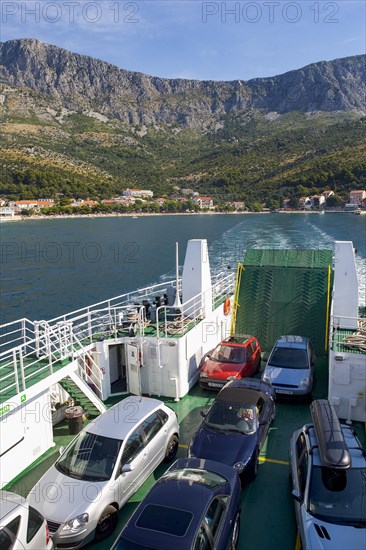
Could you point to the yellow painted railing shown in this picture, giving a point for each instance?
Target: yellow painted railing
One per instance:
(236, 304)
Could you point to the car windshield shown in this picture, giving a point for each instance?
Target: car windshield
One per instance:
(338, 496)
(202, 477)
(91, 457)
(228, 354)
(289, 358)
(233, 417)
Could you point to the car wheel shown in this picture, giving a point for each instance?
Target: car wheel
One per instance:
(171, 449)
(107, 523)
(235, 533)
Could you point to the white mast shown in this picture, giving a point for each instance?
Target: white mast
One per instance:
(177, 302)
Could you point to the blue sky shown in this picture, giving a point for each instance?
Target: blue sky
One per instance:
(205, 40)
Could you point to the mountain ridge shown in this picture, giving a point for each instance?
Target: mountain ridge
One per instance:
(81, 81)
(82, 127)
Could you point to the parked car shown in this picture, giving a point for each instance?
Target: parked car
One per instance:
(235, 427)
(290, 366)
(235, 357)
(194, 506)
(80, 495)
(21, 526)
(328, 472)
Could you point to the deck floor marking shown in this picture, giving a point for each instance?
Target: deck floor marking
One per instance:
(183, 446)
(298, 542)
(263, 459)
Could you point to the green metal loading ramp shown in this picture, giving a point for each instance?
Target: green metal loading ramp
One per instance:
(285, 292)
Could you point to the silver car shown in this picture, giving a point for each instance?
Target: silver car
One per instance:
(290, 366)
(106, 463)
(21, 526)
(328, 473)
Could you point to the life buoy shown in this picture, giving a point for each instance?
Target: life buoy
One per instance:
(87, 365)
(227, 306)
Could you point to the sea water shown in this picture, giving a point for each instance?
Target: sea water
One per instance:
(51, 267)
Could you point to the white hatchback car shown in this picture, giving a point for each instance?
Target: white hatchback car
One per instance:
(21, 526)
(81, 494)
(328, 471)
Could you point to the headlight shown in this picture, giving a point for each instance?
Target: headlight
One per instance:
(266, 378)
(203, 375)
(304, 382)
(75, 524)
(239, 467)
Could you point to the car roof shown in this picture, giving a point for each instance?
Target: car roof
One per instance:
(182, 495)
(254, 388)
(248, 396)
(292, 341)
(9, 502)
(358, 456)
(117, 421)
(172, 494)
(237, 339)
(332, 446)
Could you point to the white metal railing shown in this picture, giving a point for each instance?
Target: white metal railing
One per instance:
(26, 346)
(16, 333)
(176, 321)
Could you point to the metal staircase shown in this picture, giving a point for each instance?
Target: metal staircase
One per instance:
(54, 353)
(79, 391)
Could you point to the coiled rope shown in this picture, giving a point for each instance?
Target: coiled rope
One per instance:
(357, 340)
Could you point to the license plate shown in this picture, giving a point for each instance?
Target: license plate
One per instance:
(215, 385)
(287, 392)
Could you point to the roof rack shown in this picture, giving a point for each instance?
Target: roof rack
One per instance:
(333, 448)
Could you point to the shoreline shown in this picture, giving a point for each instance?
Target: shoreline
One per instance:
(145, 214)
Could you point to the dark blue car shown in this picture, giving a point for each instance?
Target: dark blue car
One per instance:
(194, 506)
(235, 427)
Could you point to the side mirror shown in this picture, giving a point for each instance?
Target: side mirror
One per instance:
(296, 495)
(61, 450)
(203, 414)
(126, 468)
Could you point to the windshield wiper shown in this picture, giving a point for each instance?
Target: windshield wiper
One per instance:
(358, 524)
(95, 478)
(63, 469)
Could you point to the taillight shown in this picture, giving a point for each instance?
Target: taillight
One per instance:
(47, 534)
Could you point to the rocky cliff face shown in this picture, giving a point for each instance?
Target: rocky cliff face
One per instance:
(78, 82)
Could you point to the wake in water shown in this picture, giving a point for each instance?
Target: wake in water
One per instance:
(231, 248)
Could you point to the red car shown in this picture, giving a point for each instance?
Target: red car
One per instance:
(235, 357)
